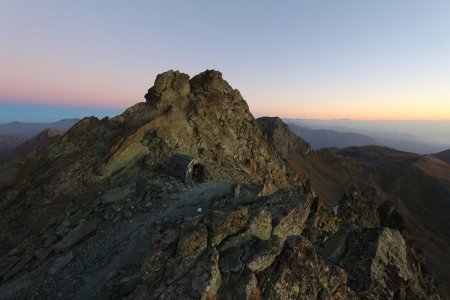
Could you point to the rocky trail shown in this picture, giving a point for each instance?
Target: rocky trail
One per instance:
(118, 245)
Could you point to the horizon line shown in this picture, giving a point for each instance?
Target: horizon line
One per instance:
(122, 108)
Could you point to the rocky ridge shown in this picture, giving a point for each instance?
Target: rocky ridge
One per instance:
(282, 137)
(92, 215)
(330, 173)
(202, 117)
(41, 140)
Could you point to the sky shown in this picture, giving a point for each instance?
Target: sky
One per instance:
(364, 60)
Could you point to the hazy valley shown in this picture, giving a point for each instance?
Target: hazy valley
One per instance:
(421, 137)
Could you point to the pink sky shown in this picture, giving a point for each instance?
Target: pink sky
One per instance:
(371, 60)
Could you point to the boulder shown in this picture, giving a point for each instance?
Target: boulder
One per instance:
(242, 285)
(302, 274)
(201, 282)
(223, 226)
(358, 209)
(376, 260)
(261, 225)
(265, 253)
(294, 221)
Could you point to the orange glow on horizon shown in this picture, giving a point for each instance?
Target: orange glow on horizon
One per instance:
(403, 107)
(79, 88)
(300, 111)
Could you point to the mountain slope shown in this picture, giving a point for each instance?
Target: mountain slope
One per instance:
(444, 155)
(31, 129)
(15, 133)
(37, 142)
(202, 117)
(329, 174)
(95, 214)
(9, 141)
(418, 186)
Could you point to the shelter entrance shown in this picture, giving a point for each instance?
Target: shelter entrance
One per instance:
(198, 173)
(186, 168)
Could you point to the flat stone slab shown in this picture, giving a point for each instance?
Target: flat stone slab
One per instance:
(75, 236)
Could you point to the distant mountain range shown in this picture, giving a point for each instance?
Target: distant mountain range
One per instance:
(17, 138)
(15, 133)
(327, 138)
(28, 130)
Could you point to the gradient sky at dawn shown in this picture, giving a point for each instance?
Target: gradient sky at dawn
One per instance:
(301, 59)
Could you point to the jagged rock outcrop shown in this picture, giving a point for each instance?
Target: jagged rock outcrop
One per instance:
(380, 266)
(417, 186)
(202, 117)
(94, 215)
(214, 123)
(286, 142)
(227, 245)
(221, 256)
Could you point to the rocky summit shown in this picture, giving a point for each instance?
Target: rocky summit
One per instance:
(187, 196)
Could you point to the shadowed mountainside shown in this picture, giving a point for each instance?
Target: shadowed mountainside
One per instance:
(418, 186)
(8, 141)
(14, 134)
(37, 142)
(29, 130)
(444, 155)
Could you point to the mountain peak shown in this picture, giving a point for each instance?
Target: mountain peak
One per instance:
(170, 85)
(201, 117)
(209, 81)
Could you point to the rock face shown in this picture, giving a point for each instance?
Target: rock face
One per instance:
(379, 267)
(354, 262)
(95, 217)
(225, 247)
(286, 142)
(214, 123)
(202, 117)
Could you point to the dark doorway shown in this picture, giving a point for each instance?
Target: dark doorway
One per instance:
(198, 173)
